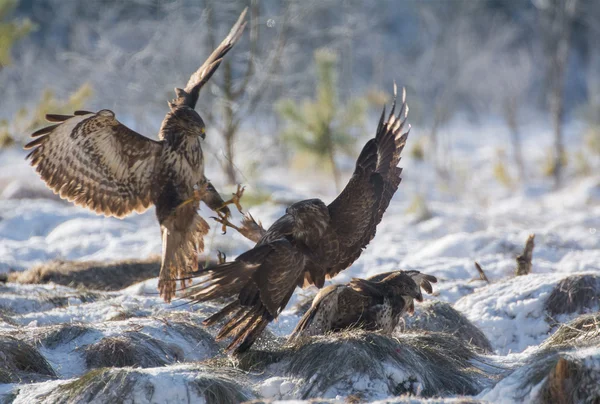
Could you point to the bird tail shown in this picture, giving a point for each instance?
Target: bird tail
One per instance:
(183, 240)
(221, 281)
(245, 325)
(227, 279)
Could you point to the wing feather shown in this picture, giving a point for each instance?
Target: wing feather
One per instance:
(359, 208)
(189, 96)
(95, 161)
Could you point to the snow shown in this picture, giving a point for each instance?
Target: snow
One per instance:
(479, 221)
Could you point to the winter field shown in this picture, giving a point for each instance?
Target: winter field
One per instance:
(80, 341)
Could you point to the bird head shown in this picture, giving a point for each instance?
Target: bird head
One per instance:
(187, 120)
(403, 285)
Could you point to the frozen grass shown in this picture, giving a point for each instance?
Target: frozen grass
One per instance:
(370, 364)
(22, 362)
(439, 316)
(90, 275)
(131, 385)
(575, 294)
(584, 330)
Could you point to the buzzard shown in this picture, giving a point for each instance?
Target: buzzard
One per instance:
(310, 243)
(96, 162)
(375, 303)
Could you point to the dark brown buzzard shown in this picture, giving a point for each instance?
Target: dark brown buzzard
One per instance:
(93, 160)
(375, 303)
(310, 243)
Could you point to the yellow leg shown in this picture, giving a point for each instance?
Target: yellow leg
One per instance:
(235, 199)
(224, 220)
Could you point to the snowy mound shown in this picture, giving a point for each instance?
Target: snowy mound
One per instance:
(81, 321)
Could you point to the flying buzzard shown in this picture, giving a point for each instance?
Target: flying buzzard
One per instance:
(95, 161)
(310, 243)
(375, 303)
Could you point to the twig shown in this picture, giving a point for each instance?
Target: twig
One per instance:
(524, 260)
(482, 275)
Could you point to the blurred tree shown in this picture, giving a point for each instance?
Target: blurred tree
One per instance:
(322, 127)
(26, 121)
(242, 83)
(514, 75)
(11, 30)
(556, 24)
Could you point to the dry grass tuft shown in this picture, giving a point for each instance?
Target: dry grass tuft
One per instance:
(63, 334)
(130, 349)
(439, 316)
(584, 330)
(575, 294)
(91, 275)
(22, 362)
(436, 364)
(565, 377)
(130, 385)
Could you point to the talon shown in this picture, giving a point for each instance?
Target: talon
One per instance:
(225, 223)
(235, 199)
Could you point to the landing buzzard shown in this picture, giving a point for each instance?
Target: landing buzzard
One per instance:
(375, 303)
(95, 161)
(310, 243)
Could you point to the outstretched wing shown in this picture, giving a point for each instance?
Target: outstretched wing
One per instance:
(189, 96)
(95, 161)
(357, 211)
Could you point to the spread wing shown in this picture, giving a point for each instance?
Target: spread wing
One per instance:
(358, 209)
(95, 161)
(189, 96)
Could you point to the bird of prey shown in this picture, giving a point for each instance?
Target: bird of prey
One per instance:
(310, 243)
(375, 303)
(96, 162)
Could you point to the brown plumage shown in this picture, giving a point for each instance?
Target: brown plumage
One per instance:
(310, 243)
(375, 303)
(96, 162)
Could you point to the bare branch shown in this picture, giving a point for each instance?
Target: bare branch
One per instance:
(482, 275)
(524, 260)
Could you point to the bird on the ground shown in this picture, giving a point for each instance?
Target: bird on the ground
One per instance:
(375, 303)
(312, 242)
(96, 162)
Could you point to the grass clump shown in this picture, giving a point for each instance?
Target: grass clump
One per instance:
(91, 275)
(439, 316)
(22, 362)
(561, 376)
(127, 385)
(130, 349)
(574, 294)
(432, 364)
(584, 330)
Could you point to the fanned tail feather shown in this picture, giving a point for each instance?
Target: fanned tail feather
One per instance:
(183, 240)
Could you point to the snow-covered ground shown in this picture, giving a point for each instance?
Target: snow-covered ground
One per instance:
(476, 219)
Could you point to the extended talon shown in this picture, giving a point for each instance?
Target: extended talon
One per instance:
(225, 222)
(221, 257)
(235, 199)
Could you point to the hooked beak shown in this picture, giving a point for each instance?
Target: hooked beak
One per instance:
(419, 297)
(203, 133)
